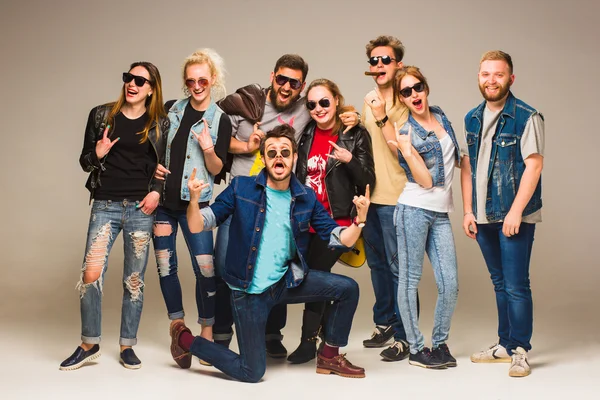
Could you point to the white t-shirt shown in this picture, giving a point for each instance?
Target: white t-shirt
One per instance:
(437, 199)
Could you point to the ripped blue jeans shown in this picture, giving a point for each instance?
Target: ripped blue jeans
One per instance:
(107, 219)
(200, 246)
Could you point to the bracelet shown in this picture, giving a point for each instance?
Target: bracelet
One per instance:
(467, 213)
(208, 148)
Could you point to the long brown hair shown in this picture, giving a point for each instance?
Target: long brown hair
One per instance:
(337, 95)
(154, 102)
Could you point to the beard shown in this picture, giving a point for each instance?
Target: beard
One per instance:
(502, 91)
(278, 105)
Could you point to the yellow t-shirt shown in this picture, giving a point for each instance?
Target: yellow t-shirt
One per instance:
(389, 175)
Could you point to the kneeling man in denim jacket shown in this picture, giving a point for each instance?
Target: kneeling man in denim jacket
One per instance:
(271, 216)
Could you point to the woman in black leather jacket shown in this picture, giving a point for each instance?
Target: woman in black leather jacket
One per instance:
(338, 165)
(124, 142)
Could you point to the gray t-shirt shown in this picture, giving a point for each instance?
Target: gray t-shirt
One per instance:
(251, 164)
(532, 142)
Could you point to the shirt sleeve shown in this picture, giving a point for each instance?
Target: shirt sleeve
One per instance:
(533, 139)
(223, 138)
(462, 142)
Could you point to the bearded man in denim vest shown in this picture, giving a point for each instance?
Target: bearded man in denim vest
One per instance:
(501, 188)
(271, 215)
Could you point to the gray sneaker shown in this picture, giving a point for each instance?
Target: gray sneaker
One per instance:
(496, 353)
(519, 366)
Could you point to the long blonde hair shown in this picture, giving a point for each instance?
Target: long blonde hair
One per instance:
(216, 66)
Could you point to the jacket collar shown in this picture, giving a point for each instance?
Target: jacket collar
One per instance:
(418, 129)
(509, 109)
(296, 188)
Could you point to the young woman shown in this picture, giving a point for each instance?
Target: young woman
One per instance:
(122, 147)
(428, 151)
(198, 138)
(337, 163)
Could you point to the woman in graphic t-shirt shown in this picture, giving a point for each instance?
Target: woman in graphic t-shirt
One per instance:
(123, 145)
(337, 163)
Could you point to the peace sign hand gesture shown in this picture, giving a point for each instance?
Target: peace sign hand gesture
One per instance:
(403, 142)
(339, 153)
(104, 145)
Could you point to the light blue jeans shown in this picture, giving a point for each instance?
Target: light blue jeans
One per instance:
(107, 219)
(421, 231)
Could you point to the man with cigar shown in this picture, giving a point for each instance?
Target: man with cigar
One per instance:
(267, 266)
(384, 55)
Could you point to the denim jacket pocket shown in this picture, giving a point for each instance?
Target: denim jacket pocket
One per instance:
(506, 147)
(303, 226)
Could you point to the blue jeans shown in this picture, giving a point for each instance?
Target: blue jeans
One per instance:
(250, 312)
(381, 248)
(507, 259)
(222, 329)
(421, 231)
(200, 246)
(107, 219)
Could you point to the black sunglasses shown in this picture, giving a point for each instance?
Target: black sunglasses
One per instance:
(324, 103)
(386, 60)
(139, 80)
(285, 153)
(281, 80)
(407, 91)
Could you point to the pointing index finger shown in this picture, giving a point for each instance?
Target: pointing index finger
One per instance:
(368, 193)
(193, 175)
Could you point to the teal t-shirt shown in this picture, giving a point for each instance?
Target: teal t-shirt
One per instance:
(277, 246)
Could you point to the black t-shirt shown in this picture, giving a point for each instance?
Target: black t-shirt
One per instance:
(179, 153)
(129, 164)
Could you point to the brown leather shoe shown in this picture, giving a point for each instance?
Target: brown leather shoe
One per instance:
(182, 358)
(339, 365)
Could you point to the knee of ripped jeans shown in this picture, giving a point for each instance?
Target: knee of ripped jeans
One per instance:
(162, 228)
(205, 264)
(95, 261)
(135, 285)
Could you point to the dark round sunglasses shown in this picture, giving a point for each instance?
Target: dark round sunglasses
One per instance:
(324, 103)
(139, 80)
(281, 80)
(285, 153)
(386, 60)
(407, 91)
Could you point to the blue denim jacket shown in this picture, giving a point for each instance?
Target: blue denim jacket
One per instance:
(245, 198)
(428, 146)
(194, 157)
(506, 162)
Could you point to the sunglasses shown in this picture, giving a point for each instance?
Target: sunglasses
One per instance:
(191, 83)
(407, 91)
(139, 80)
(324, 103)
(285, 153)
(386, 60)
(281, 80)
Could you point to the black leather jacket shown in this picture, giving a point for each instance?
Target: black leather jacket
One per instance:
(94, 131)
(342, 181)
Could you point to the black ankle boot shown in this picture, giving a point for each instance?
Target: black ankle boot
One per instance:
(307, 350)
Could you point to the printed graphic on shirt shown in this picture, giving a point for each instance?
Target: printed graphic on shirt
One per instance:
(258, 165)
(315, 173)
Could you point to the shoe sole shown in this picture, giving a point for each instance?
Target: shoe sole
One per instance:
(491, 361)
(418, 364)
(206, 364)
(392, 359)
(82, 362)
(324, 371)
(376, 345)
(279, 355)
(130, 366)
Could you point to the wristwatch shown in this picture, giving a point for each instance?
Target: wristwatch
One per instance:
(358, 223)
(382, 122)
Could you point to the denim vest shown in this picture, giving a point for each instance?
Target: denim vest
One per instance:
(194, 157)
(429, 148)
(245, 199)
(506, 162)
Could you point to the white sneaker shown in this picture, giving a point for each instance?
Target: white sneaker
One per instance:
(519, 365)
(496, 353)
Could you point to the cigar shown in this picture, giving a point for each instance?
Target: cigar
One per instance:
(379, 73)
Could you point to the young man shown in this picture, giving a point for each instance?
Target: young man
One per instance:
(270, 219)
(385, 56)
(501, 188)
(253, 111)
